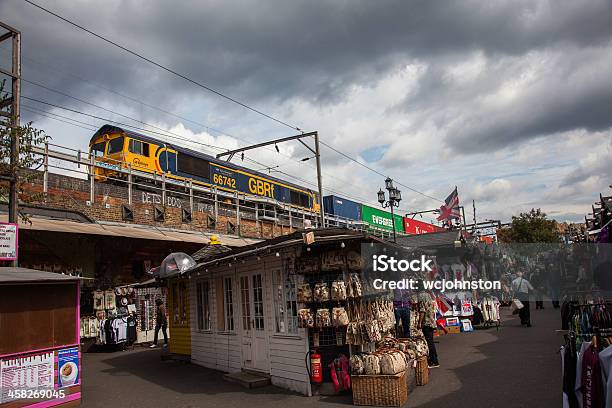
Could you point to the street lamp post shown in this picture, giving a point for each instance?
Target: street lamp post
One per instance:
(395, 196)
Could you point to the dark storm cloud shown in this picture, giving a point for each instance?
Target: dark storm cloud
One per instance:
(271, 53)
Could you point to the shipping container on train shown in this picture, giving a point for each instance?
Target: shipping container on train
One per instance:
(415, 227)
(115, 149)
(341, 207)
(381, 219)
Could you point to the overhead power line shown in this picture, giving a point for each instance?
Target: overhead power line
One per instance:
(48, 115)
(377, 172)
(347, 195)
(171, 135)
(216, 92)
(166, 134)
(170, 70)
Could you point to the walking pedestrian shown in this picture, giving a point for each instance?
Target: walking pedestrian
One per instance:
(161, 323)
(427, 323)
(521, 288)
(401, 306)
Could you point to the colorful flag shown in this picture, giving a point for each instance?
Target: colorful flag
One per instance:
(450, 209)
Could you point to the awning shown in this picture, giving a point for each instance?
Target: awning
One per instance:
(23, 275)
(129, 231)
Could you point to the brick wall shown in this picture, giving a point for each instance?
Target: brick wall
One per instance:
(71, 193)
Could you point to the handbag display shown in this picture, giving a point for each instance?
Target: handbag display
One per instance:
(419, 346)
(304, 293)
(356, 364)
(323, 318)
(354, 329)
(305, 319)
(321, 292)
(371, 364)
(339, 317)
(354, 288)
(338, 290)
(392, 362)
(373, 331)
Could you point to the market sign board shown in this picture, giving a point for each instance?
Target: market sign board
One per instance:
(419, 227)
(28, 373)
(377, 218)
(8, 241)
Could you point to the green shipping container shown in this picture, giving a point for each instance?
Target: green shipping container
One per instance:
(377, 218)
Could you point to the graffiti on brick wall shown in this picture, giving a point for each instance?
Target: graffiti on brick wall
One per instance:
(152, 198)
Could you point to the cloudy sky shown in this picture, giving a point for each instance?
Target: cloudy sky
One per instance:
(510, 101)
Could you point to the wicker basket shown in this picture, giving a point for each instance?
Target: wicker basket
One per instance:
(410, 377)
(422, 371)
(380, 390)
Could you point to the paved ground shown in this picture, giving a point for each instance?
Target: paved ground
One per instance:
(512, 367)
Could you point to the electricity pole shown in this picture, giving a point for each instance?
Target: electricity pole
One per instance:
(474, 207)
(13, 116)
(315, 151)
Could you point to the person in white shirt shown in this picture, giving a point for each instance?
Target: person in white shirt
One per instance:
(521, 288)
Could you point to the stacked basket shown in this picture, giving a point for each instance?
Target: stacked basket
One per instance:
(380, 390)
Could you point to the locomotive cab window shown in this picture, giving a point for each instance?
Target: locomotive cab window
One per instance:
(97, 149)
(300, 199)
(138, 147)
(115, 145)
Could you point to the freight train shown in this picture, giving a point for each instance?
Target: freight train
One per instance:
(116, 149)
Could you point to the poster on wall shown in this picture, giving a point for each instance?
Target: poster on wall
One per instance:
(28, 373)
(67, 367)
(8, 241)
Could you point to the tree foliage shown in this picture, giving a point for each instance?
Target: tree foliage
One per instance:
(29, 137)
(529, 227)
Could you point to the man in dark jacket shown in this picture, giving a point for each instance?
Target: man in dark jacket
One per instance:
(161, 323)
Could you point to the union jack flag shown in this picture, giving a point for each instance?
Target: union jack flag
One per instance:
(450, 209)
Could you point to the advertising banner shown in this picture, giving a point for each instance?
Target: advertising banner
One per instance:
(25, 374)
(419, 227)
(67, 367)
(377, 218)
(8, 241)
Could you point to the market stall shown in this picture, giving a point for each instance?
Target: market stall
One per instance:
(296, 308)
(132, 306)
(40, 362)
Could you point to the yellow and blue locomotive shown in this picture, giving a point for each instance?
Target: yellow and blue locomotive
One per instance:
(117, 149)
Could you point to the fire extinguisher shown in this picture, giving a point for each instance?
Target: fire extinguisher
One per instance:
(315, 368)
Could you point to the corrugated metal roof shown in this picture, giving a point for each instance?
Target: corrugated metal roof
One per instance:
(209, 252)
(18, 275)
(433, 239)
